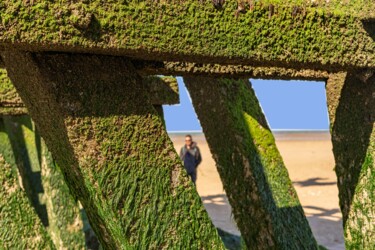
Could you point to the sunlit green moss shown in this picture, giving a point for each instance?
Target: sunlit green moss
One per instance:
(44, 184)
(264, 202)
(10, 102)
(20, 226)
(113, 151)
(319, 35)
(351, 106)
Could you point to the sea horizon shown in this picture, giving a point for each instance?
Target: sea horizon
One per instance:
(279, 134)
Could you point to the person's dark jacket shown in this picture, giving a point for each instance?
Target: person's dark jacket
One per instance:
(191, 157)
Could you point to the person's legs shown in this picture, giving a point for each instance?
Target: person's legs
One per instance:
(193, 176)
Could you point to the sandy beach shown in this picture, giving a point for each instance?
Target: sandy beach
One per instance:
(309, 160)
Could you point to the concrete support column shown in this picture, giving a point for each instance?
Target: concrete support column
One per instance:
(96, 118)
(351, 106)
(265, 204)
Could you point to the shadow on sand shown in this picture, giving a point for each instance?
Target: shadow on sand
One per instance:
(326, 226)
(314, 182)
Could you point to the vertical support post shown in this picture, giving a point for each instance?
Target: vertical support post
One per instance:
(351, 106)
(20, 226)
(112, 147)
(20, 130)
(66, 225)
(44, 184)
(42, 181)
(265, 204)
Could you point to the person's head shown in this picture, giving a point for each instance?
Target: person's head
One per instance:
(188, 140)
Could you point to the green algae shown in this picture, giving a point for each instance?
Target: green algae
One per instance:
(264, 202)
(20, 226)
(113, 151)
(8, 95)
(162, 90)
(296, 33)
(243, 71)
(351, 107)
(65, 219)
(44, 184)
(10, 102)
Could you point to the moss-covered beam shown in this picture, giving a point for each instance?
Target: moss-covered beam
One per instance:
(20, 226)
(351, 106)
(96, 117)
(66, 224)
(10, 102)
(27, 155)
(45, 188)
(149, 69)
(265, 204)
(44, 184)
(217, 70)
(295, 34)
(163, 90)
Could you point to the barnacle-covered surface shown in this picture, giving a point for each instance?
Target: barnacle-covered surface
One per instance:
(265, 204)
(162, 90)
(44, 184)
(113, 150)
(89, 128)
(351, 105)
(236, 71)
(294, 33)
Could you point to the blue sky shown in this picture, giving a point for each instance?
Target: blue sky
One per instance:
(288, 105)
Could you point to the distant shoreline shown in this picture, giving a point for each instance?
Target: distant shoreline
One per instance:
(273, 130)
(280, 134)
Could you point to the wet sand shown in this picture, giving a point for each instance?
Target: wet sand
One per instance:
(309, 160)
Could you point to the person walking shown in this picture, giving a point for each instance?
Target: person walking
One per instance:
(191, 157)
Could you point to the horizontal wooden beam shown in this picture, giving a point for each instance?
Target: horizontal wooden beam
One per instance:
(293, 34)
(162, 90)
(230, 71)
